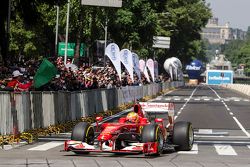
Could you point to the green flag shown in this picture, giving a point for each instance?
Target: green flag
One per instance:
(45, 73)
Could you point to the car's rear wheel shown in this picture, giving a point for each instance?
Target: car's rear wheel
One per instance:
(153, 133)
(183, 136)
(84, 132)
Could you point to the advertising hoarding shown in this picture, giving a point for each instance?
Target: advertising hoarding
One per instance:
(217, 77)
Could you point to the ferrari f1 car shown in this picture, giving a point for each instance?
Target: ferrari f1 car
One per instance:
(150, 132)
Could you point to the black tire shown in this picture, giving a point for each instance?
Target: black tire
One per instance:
(84, 132)
(153, 133)
(183, 136)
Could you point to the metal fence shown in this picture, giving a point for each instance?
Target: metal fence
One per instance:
(29, 110)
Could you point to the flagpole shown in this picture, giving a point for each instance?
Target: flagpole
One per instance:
(57, 19)
(105, 40)
(67, 32)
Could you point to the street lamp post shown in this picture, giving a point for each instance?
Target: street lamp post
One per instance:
(67, 32)
(57, 20)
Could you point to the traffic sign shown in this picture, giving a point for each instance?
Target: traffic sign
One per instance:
(107, 3)
(161, 42)
(70, 49)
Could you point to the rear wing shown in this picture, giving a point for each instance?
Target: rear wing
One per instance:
(158, 108)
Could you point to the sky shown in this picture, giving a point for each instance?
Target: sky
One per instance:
(236, 12)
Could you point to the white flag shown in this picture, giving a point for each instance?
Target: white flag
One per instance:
(150, 65)
(143, 69)
(136, 65)
(113, 53)
(127, 61)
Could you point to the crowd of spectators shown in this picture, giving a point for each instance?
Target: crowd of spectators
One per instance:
(19, 77)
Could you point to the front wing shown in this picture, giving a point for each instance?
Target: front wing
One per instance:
(78, 146)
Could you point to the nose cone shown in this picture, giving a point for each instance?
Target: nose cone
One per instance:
(104, 136)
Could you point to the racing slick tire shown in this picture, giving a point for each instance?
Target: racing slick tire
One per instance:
(84, 132)
(183, 136)
(153, 133)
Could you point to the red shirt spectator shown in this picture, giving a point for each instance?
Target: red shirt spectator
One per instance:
(16, 83)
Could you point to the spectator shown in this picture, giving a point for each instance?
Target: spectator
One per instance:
(68, 79)
(17, 82)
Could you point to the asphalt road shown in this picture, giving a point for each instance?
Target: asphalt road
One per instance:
(220, 117)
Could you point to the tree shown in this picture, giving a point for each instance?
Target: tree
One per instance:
(3, 37)
(184, 20)
(132, 26)
(27, 14)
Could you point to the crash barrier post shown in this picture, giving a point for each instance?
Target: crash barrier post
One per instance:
(29, 110)
(242, 88)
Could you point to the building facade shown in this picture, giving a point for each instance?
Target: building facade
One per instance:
(217, 34)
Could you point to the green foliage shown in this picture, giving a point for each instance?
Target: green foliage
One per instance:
(238, 52)
(132, 26)
(22, 40)
(185, 19)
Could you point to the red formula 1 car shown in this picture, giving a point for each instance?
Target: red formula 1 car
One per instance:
(144, 130)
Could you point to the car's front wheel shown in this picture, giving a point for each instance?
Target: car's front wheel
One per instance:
(183, 136)
(84, 132)
(153, 133)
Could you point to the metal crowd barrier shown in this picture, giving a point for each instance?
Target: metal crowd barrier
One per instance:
(29, 110)
(242, 88)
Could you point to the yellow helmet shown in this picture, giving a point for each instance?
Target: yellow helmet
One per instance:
(132, 117)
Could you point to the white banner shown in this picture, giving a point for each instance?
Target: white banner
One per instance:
(127, 61)
(136, 65)
(113, 52)
(150, 65)
(143, 69)
(156, 69)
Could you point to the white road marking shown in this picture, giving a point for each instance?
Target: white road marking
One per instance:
(205, 131)
(177, 99)
(206, 99)
(236, 100)
(220, 136)
(186, 99)
(216, 99)
(14, 145)
(226, 99)
(184, 104)
(197, 99)
(46, 146)
(221, 142)
(241, 127)
(8, 147)
(248, 146)
(224, 149)
(231, 113)
(167, 99)
(246, 100)
(65, 133)
(235, 119)
(193, 151)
